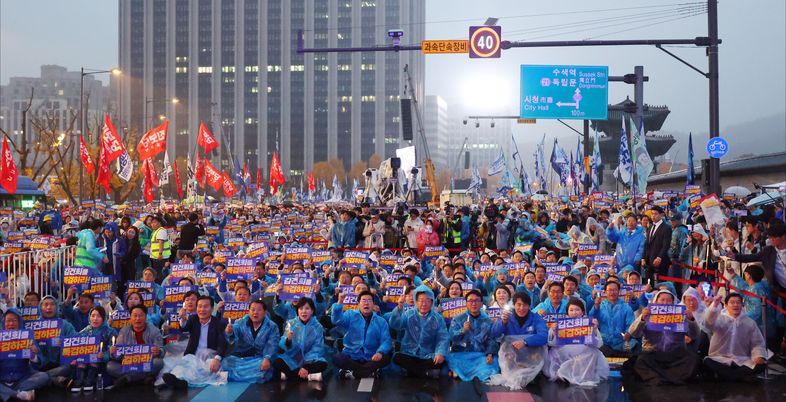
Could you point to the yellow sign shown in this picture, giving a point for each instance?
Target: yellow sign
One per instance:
(526, 121)
(444, 46)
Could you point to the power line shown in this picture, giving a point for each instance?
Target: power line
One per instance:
(510, 17)
(646, 25)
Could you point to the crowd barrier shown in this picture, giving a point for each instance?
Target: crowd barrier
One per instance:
(36, 270)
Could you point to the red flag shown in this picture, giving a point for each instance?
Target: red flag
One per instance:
(311, 185)
(206, 139)
(10, 174)
(200, 170)
(214, 177)
(259, 180)
(104, 174)
(177, 179)
(148, 184)
(276, 174)
(111, 141)
(229, 187)
(153, 143)
(152, 170)
(84, 154)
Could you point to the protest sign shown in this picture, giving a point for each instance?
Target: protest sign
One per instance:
(174, 296)
(240, 269)
(15, 344)
(80, 348)
(575, 331)
(76, 276)
(667, 317)
(296, 286)
(452, 307)
(136, 358)
(235, 310)
(119, 319)
(46, 331)
(100, 287)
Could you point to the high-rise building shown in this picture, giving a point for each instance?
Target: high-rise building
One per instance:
(55, 99)
(234, 65)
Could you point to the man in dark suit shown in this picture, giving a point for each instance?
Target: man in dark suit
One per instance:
(206, 340)
(773, 260)
(656, 246)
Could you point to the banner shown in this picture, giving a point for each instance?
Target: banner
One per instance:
(179, 271)
(555, 272)
(494, 312)
(215, 178)
(205, 139)
(235, 310)
(110, 141)
(433, 252)
(173, 324)
(551, 319)
(29, 313)
(394, 294)
(296, 286)
(15, 344)
(136, 358)
(84, 155)
(76, 276)
(667, 317)
(80, 348)
(174, 296)
(587, 250)
(207, 279)
(293, 255)
(319, 257)
(119, 319)
(354, 259)
(575, 331)
(523, 247)
(240, 269)
(452, 307)
(100, 287)
(350, 301)
(46, 332)
(125, 167)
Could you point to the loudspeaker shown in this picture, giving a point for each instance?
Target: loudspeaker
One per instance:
(406, 119)
(466, 160)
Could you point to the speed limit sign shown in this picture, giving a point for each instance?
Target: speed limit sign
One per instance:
(484, 42)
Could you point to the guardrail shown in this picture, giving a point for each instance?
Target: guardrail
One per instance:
(40, 271)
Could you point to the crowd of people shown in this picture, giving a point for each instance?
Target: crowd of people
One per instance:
(474, 293)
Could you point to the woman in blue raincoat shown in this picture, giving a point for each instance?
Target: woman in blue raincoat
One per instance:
(255, 340)
(614, 318)
(87, 254)
(85, 374)
(473, 349)
(425, 343)
(303, 346)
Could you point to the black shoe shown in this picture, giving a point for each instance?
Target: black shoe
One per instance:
(432, 373)
(174, 382)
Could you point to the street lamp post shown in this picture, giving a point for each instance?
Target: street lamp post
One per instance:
(82, 74)
(148, 101)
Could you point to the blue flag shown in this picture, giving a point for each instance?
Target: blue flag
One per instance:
(498, 165)
(595, 163)
(624, 172)
(690, 159)
(560, 162)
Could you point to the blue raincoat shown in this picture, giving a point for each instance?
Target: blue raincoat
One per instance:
(467, 358)
(424, 336)
(546, 306)
(630, 246)
(361, 342)
(243, 365)
(614, 319)
(50, 355)
(308, 343)
(104, 333)
(13, 370)
(534, 331)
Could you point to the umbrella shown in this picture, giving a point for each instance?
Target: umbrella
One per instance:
(766, 198)
(738, 191)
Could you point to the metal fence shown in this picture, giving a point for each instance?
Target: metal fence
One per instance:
(40, 271)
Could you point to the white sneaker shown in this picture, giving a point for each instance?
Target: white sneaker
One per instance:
(315, 377)
(283, 377)
(26, 395)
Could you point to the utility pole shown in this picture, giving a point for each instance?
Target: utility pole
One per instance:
(712, 75)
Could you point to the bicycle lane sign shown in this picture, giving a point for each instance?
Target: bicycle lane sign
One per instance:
(717, 147)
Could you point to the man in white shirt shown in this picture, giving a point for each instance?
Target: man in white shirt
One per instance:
(737, 347)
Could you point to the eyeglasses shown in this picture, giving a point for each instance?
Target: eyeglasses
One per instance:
(473, 301)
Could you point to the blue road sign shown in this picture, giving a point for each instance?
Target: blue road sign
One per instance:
(717, 147)
(564, 92)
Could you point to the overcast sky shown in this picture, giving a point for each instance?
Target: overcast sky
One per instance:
(77, 33)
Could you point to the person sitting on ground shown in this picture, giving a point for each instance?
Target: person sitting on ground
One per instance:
(614, 318)
(18, 379)
(255, 340)
(85, 374)
(139, 331)
(523, 350)
(473, 349)
(665, 357)
(367, 343)
(582, 365)
(425, 342)
(207, 345)
(50, 354)
(737, 347)
(303, 345)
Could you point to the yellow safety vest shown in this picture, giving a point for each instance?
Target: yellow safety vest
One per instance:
(157, 254)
